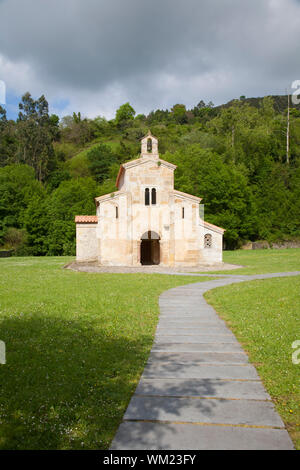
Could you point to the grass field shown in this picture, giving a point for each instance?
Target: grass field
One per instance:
(265, 317)
(263, 261)
(76, 346)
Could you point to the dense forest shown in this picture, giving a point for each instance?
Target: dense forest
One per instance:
(234, 156)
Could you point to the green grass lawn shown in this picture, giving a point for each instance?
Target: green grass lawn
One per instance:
(76, 346)
(265, 317)
(263, 261)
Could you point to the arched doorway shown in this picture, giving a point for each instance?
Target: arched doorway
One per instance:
(150, 249)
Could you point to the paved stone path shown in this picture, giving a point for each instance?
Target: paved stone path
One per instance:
(198, 390)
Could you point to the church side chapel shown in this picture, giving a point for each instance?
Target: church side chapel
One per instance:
(146, 221)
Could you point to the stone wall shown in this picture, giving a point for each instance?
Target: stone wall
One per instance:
(213, 252)
(263, 244)
(86, 242)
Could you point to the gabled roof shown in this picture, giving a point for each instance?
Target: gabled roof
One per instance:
(186, 195)
(214, 227)
(121, 169)
(141, 161)
(148, 135)
(112, 195)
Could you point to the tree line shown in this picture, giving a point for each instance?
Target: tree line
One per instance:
(232, 156)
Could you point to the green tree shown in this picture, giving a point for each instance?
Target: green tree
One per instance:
(3, 127)
(100, 126)
(8, 141)
(73, 197)
(3, 118)
(18, 187)
(76, 130)
(36, 131)
(15, 238)
(38, 225)
(124, 115)
(179, 113)
(100, 159)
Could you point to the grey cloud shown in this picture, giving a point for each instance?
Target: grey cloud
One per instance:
(90, 46)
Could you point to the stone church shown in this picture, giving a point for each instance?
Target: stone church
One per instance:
(146, 221)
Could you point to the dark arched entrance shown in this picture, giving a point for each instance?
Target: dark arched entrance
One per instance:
(150, 249)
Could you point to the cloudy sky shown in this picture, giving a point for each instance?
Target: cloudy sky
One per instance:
(94, 55)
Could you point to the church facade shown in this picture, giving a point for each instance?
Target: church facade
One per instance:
(146, 221)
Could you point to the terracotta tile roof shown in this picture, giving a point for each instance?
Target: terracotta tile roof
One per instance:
(86, 219)
(121, 169)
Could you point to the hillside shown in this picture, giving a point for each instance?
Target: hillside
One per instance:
(233, 156)
(280, 103)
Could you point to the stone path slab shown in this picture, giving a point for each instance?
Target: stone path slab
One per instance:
(192, 347)
(187, 322)
(199, 371)
(161, 436)
(208, 317)
(196, 357)
(176, 331)
(195, 339)
(198, 390)
(189, 347)
(202, 388)
(214, 411)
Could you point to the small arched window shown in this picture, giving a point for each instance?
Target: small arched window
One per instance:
(183, 212)
(117, 212)
(153, 196)
(147, 197)
(149, 145)
(207, 240)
